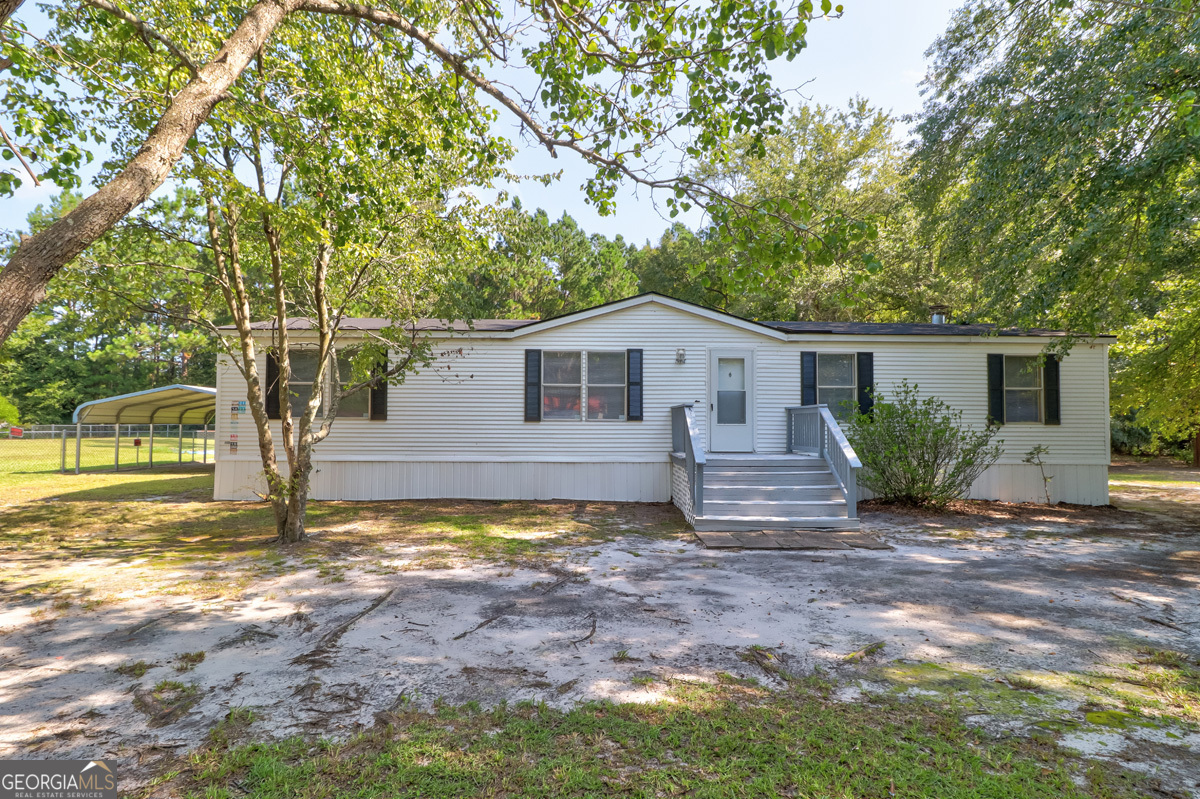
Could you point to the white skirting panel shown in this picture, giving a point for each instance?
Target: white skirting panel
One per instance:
(371, 480)
(1081, 484)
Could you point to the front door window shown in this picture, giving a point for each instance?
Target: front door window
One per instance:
(731, 391)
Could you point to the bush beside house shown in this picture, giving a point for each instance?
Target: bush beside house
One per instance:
(917, 451)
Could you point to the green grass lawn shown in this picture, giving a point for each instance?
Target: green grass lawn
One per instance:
(25, 456)
(733, 739)
(1180, 480)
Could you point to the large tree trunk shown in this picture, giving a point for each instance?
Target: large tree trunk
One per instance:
(291, 530)
(39, 258)
(8, 8)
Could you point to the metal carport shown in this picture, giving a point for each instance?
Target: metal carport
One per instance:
(177, 404)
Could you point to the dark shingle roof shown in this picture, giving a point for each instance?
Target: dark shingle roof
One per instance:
(905, 329)
(371, 323)
(811, 328)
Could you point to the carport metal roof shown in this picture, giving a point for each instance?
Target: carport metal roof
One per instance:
(177, 404)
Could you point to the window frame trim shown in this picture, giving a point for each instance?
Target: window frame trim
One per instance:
(292, 350)
(853, 369)
(340, 383)
(623, 385)
(327, 384)
(1040, 389)
(582, 382)
(583, 385)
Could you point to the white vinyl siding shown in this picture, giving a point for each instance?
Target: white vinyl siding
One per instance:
(468, 408)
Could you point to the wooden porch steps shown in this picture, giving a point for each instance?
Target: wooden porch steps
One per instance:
(773, 492)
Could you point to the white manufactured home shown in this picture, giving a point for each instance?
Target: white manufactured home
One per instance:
(651, 399)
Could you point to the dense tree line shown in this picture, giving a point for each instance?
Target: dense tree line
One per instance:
(104, 331)
(1058, 167)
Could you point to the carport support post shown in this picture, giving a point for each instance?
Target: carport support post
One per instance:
(205, 444)
(152, 438)
(181, 438)
(78, 443)
(117, 446)
(63, 464)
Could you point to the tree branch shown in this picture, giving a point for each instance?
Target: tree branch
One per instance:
(147, 32)
(695, 189)
(38, 258)
(20, 157)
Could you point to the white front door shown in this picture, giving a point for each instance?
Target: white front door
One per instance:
(731, 401)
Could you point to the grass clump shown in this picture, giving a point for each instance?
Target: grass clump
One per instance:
(1166, 658)
(136, 670)
(166, 702)
(1158, 683)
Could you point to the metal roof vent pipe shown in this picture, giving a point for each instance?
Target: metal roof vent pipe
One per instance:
(939, 313)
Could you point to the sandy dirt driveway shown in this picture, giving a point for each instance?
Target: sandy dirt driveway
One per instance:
(1028, 594)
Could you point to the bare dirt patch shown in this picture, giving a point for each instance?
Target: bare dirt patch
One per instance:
(598, 602)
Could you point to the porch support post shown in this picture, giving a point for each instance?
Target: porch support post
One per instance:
(152, 415)
(117, 444)
(851, 483)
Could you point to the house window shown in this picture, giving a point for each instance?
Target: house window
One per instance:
(303, 365)
(572, 381)
(358, 404)
(836, 386)
(1022, 388)
(562, 385)
(606, 385)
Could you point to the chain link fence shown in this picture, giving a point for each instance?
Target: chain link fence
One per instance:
(102, 447)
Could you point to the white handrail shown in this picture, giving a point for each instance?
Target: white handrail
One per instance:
(685, 437)
(814, 427)
(839, 438)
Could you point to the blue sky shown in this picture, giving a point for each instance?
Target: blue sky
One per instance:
(876, 50)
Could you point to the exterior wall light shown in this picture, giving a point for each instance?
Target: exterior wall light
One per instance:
(681, 355)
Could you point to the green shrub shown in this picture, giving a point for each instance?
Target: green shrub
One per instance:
(1131, 438)
(8, 412)
(917, 451)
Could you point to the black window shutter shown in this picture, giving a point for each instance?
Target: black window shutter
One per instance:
(533, 385)
(379, 392)
(633, 385)
(272, 386)
(1051, 386)
(866, 381)
(808, 378)
(995, 377)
